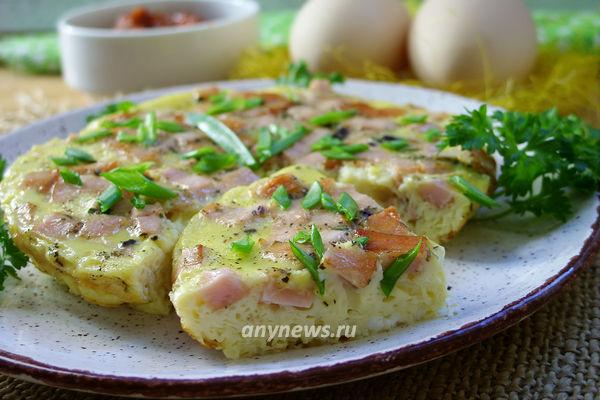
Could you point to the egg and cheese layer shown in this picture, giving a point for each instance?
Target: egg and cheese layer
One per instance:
(123, 255)
(219, 292)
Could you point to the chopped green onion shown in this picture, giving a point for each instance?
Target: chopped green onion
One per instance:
(224, 105)
(64, 161)
(337, 153)
(395, 144)
(122, 106)
(313, 197)
(310, 264)
(138, 202)
(412, 119)
(140, 167)
(124, 137)
(301, 237)
(327, 202)
(213, 162)
(471, 192)
(398, 267)
(198, 153)
(355, 148)
(136, 183)
(263, 145)
(317, 242)
(170, 126)
(298, 74)
(282, 197)
(222, 136)
(286, 142)
(243, 245)
(361, 241)
(326, 143)
(71, 177)
(347, 206)
(128, 123)
(332, 117)
(79, 155)
(93, 135)
(149, 132)
(433, 135)
(109, 198)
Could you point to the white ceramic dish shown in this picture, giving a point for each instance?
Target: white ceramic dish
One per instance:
(101, 60)
(498, 273)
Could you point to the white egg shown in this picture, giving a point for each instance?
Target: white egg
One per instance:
(326, 32)
(472, 41)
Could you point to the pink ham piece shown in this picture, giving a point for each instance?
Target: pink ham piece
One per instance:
(201, 187)
(274, 293)
(190, 257)
(237, 177)
(352, 264)
(102, 225)
(148, 220)
(221, 288)
(436, 193)
(42, 181)
(58, 226)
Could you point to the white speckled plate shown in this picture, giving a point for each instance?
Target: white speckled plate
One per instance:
(498, 273)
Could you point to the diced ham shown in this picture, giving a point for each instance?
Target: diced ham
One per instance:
(102, 225)
(352, 264)
(26, 212)
(58, 226)
(62, 192)
(438, 193)
(280, 294)
(303, 112)
(275, 251)
(221, 288)
(94, 184)
(154, 209)
(95, 168)
(200, 186)
(372, 124)
(303, 148)
(41, 181)
(292, 184)
(149, 225)
(190, 257)
(237, 177)
(387, 221)
(389, 247)
(369, 111)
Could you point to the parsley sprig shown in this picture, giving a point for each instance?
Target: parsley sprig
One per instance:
(11, 258)
(298, 74)
(546, 156)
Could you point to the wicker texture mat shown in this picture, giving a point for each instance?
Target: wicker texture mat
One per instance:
(555, 354)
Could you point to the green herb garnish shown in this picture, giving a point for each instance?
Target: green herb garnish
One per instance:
(128, 123)
(93, 135)
(392, 273)
(347, 206)
(109, 197)
(282, 197)
(198, 153)
(412, 119)
(170, 126)
(310, 263)
(313, 197)
(222, 136)
(214, 162)
(471, 191)
(138, 202)
(136, 183)
(71, 177)
(433, 135)
(275, 140)
(301, 237)
(326, 143)
(243, 245)
(79, 155)
(225, 104)
(546, 156)
(298, 74)
(327, 202)
(11, 258)
(123, 106)
(395, 144)
(317, 241)
(361, 241)
(332, 117)
(124, 137)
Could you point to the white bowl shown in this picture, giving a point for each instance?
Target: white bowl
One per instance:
(101, 60)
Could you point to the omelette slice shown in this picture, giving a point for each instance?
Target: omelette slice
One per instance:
(386, 151)
(122, 254)
(297, 249)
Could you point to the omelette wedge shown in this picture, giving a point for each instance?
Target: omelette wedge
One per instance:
(235, 266)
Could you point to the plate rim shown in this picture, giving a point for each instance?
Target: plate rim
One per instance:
(22, 367)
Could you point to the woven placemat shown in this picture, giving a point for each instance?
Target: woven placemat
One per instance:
(555, 354)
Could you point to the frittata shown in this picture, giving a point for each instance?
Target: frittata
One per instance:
(235, 266)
